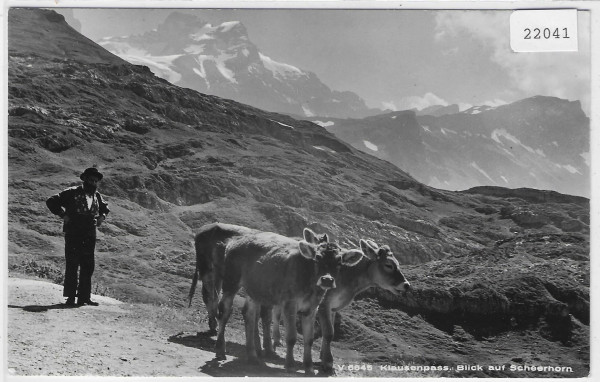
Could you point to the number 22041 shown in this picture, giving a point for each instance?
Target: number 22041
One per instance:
(545, 33)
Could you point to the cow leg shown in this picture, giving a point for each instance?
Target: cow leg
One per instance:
(266, 319)
(257, 344)
(251, 309)
(289, 317)
(308, 334)
(223, 316)
(326, 323)
(276, 327)
(210, 298)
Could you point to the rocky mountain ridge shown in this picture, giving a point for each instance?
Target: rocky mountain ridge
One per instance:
(539, 142)
(221, 60)
(175, 159)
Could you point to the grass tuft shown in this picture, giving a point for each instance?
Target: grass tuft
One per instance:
(43, 270)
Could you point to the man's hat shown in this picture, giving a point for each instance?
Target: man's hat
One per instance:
(92, 171)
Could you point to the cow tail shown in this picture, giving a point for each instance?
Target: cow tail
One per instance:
(194, 282)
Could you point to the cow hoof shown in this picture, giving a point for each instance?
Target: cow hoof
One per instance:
(270, 354)
(290, 367)
(220, 355)
(326, 370)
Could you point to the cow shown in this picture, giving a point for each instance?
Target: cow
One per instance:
(277, 270)
(210, 244)
(378, 267)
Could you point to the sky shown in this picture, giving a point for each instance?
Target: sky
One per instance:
(393, 59)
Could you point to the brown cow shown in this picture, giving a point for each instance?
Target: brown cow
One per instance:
(378, 268)
(210, 245)
(276, 270)
(210, 242)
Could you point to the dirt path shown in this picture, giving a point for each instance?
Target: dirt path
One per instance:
(119, 339)
(47, 338)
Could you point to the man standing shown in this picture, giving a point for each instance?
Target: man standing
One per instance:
(82, 209)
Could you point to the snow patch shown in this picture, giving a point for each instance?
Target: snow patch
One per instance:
(571, 169)
(324, 124)
(508, 152)
(323, 148)
(280, 70)
(220, 63)
(394, 116)
(371, 146)
(200, 71)
(162, 66)
(586, 157)
(476, 167)
(225, 72)
(227, 26)
(203, 37)
(194, 49)
(496, 134)
(282, 124)
(478, 109)
(122, 48)
(426, 128)
(307, 111)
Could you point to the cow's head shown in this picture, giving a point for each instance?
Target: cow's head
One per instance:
(385, 268)
(328, 259)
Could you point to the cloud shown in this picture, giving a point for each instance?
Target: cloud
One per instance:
(416, 102)
(564, 75)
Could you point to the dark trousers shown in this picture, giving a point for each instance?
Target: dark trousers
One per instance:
(79, 255)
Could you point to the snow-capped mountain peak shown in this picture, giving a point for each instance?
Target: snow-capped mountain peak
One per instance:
(221, 60)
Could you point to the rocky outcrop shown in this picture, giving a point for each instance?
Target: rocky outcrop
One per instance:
(496, 292)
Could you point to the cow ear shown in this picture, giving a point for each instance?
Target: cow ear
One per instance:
(307, 250)
(351, 257)
(369, 249)
(310, 236)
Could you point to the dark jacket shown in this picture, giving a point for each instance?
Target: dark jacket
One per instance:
(72, 202)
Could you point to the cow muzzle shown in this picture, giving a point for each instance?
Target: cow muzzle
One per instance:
(326, 282)
(404, 287)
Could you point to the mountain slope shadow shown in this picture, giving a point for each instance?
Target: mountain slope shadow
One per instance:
(236, 364)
